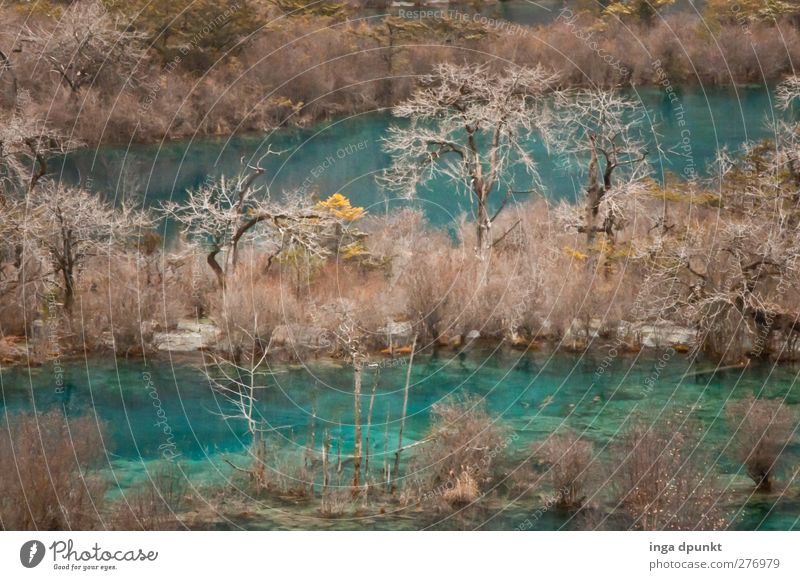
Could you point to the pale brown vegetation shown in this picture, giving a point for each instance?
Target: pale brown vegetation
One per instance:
(47, 473)
(154, 504)
(662, 481)
(463, 457)
(568, 461)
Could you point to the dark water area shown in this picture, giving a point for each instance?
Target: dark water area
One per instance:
(521, 12)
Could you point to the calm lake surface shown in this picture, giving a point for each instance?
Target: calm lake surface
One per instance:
(345, 155)
(532, 394)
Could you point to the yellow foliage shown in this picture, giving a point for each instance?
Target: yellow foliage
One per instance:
(644, 10)
(340, 207)
(706, 198)
(353, 250)
(573, 253)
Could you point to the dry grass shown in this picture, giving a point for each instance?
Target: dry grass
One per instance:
(154, 505)
(46, 473)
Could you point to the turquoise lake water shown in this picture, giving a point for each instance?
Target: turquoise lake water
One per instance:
(345, 155)
(532, 394)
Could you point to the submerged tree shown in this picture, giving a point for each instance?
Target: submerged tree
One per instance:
(472, 127)
(662, 482)
(568, 460)
(239, 385)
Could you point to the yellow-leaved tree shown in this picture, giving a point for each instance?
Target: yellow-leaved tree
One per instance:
(642, 10)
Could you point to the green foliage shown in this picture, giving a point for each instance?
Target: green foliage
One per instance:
(328, 8)
(748, 11)
(197, 32)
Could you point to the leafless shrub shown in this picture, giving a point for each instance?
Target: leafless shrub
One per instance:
(251, 307)
(428, 285)
(154, 505)
(662, 482)
(336, 502)
(762, 431)
(22, 292)
(282, 470)
(461, 457)
(568, 461)
(124, 300)
(46, 473)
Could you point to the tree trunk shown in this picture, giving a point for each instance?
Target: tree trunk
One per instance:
(484, 226)
(212, 261)
(594, 193)
(357, 368)
(326, 450)
(69, 288)
(403, 416)
(369, 427)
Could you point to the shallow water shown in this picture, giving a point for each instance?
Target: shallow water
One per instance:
(532, 394)
(345, 155)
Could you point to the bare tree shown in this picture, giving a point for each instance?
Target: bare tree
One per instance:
(350, 337)
(472, 127)
(219, 214)
(603, 132)
(238, 384)
(730, 279)
(87, 42)
(68, 225)
(787, 134)
(731, 267)
(26, 144)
